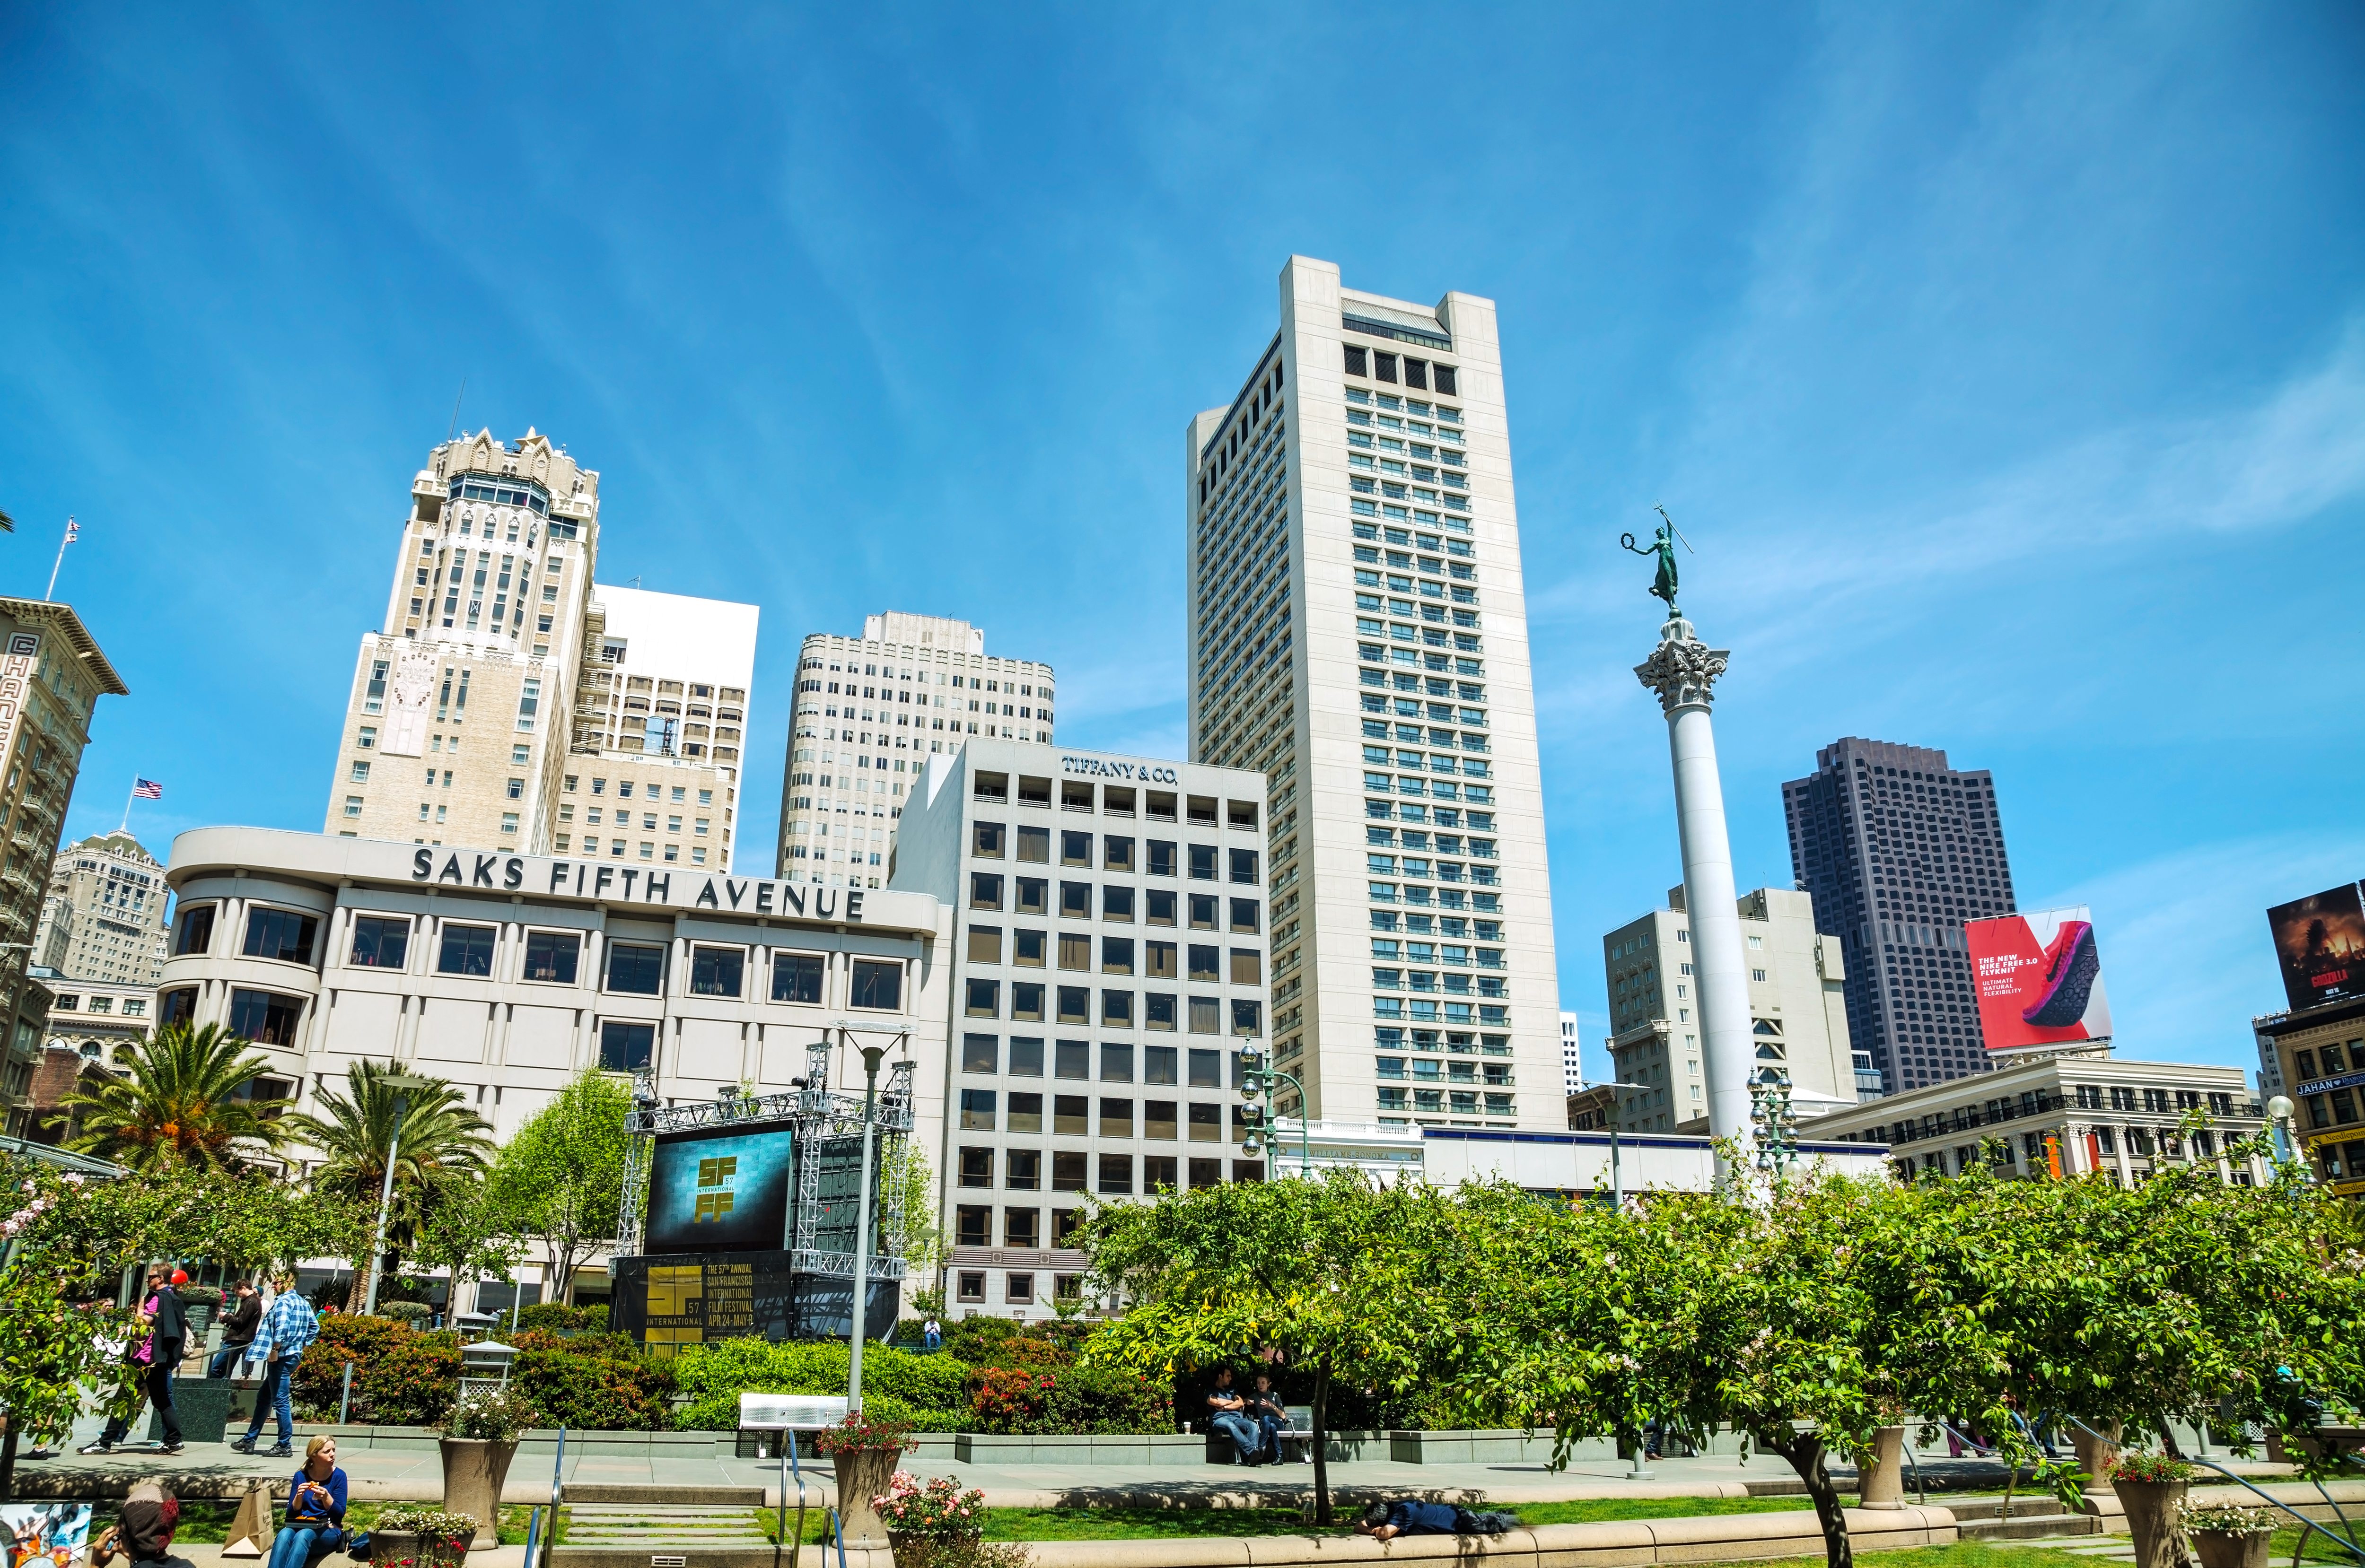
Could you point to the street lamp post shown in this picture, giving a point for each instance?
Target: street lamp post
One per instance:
(1257, 1078)
(404, 1087)
(1617, 1196)
(870, 1058)
(2279, 1111)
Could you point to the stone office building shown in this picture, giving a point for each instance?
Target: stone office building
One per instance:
(1109, 941)
(506, 975)
(2070, 1114)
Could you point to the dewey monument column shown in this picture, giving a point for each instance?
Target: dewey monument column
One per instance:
(1683, 671)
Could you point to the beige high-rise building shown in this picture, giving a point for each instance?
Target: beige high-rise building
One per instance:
(51, 677)
(1798, 1012)
(869, 710)
(1359, 635)
(659, 715)
(512, 704)
(104, 918)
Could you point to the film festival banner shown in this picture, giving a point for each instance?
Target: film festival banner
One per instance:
(2039, 977)
(2320, 942)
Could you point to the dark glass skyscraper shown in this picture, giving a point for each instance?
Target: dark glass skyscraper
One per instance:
(1899, 850)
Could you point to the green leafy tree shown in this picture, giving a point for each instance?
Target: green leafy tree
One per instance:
(442, 1152)
(183, 1099)
(1335, 1273)
(561, 1179)
(243, 1219)
(925, 1247)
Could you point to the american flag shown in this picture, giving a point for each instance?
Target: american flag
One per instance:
(147, 790)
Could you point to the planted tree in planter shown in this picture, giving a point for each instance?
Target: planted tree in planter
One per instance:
(1339, 1274)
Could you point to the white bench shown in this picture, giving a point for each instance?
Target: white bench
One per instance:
(764, 1415)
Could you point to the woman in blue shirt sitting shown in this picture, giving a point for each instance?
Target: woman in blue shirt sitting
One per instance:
(316, 1509)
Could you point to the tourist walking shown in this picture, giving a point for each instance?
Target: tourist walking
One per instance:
(158, 1356)
(288, 1326)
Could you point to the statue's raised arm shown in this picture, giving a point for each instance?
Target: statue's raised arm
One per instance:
(1663, 547)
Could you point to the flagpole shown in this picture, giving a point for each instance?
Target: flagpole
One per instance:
(69, 539)
(126, 804)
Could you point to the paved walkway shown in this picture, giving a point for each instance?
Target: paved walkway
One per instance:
(416, 1474)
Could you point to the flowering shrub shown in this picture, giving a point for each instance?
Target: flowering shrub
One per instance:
(443, 1538)
(858, 1434)
(2152, 1467)
(1010, 1399)
(940, 1511)
(2229, 1517)
(497, 1415)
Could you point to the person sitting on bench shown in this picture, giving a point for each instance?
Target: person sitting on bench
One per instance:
(1228, 1414)
(1386, 1521)
(1271, 1415)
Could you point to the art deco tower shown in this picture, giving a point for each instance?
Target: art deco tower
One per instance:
(459, 719)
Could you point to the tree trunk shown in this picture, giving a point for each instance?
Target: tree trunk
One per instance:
(1805, 1452)
(8, 1463)
(1321, 1444)
(2168, 1440)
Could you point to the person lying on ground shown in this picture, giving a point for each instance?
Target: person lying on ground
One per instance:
(1386, 1521)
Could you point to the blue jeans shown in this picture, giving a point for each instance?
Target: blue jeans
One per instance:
(1241, 1430)
(935, 1340)
(272, 1395)
(300, 1546)
(225, 1361)
(1267, 1429)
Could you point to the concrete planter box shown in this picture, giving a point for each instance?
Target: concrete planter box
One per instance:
(1164, 1449)
(1469, 1448)
(203, 1406)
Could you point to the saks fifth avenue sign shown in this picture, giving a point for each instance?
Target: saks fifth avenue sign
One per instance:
(1145, 772)
(641, 885)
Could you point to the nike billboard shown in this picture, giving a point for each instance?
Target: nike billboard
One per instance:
(2039, 978)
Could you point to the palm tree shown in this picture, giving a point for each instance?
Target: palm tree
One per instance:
(186, 1100)
(443, 1144)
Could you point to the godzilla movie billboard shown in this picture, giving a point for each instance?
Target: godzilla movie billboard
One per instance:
(2320, 942)
(2039, 978)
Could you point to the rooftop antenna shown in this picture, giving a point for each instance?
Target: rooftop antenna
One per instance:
(455, 410)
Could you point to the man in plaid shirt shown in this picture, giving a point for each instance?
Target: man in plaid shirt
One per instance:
(288, 1326)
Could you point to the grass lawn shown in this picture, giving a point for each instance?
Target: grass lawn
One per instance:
(1970, 1554)
(207, 1521)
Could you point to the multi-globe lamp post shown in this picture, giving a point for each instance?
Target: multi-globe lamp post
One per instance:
(1258, 1078)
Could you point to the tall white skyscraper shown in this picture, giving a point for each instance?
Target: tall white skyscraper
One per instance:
(869, 710)
(1572, 1055)
(1359, 634)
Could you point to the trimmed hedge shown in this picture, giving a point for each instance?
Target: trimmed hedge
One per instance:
(927, 1389)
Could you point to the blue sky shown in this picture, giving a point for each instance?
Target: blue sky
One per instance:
(2006, 363)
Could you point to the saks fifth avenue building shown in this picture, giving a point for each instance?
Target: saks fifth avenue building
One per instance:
(508, 974)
